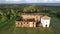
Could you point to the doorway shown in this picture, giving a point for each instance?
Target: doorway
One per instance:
(37, 24)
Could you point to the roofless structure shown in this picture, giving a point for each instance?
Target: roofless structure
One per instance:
(33, 20)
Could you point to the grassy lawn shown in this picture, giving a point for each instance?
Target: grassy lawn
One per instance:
(55, 24)
(39, 30)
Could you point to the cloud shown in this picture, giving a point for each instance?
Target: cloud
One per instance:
(29, 1)
(13, 0)
(44, 0)
(57, 0)
(33, 1)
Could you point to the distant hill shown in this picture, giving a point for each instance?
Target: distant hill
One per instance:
(41, 4)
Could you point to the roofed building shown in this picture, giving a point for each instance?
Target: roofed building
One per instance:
(45, 20)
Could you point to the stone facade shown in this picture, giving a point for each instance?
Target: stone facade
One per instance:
(25, 24)
(31, 16)
(30, 20)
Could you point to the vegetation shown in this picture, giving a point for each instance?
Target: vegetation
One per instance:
(9, 13)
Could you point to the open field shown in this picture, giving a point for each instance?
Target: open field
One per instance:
(33, 31)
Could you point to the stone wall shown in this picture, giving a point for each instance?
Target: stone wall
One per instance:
(25, 24)
(26, 20)
(36, 17)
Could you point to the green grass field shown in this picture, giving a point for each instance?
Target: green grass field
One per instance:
(39, 30)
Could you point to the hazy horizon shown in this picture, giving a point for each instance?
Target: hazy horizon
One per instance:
(27, 1)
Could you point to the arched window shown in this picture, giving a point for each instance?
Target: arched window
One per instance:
(21, 23)
(24, 22)
(46, 26)
(27, 22)
(18, 23)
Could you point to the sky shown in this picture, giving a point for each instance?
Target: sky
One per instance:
(29, 1)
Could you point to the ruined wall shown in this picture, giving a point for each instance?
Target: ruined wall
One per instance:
(36, 17)
(25, 24)
(28, 16)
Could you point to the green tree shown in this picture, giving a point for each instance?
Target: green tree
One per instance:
(30, 9)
